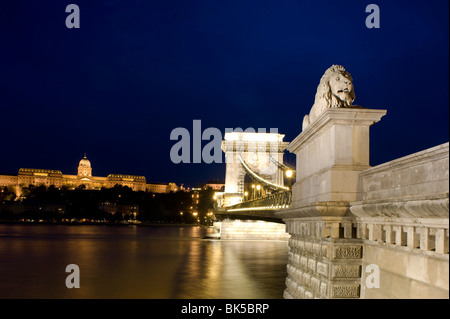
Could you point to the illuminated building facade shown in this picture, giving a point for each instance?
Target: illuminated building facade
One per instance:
(84, 178)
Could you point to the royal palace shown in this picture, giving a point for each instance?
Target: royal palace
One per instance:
(47, 177)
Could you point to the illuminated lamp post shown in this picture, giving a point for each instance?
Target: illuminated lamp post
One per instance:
(258, 188)
(289, 174)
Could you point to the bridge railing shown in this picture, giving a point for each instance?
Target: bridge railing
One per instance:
(272, 201)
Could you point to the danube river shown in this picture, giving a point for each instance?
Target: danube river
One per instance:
(160, 262)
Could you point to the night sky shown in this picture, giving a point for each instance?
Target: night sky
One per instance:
(116, 87)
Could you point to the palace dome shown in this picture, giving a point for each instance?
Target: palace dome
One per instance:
(85, 162)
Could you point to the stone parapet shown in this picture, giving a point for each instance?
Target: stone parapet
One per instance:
(403, 220)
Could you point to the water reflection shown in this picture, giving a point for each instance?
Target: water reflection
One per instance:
(137, 262)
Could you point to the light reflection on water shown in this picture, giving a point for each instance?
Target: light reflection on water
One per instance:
(137, 262)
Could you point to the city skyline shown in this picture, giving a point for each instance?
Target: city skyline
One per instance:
(134, 71)
(85, 177)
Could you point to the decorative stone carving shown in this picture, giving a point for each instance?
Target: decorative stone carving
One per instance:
(344, 271)
(338, 291)
(347, 252)
(335, 90)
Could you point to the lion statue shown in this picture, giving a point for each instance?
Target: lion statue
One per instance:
(335, 90)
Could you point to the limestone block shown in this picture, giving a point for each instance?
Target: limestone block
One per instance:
(315, 285)
(316, 249)
(312, 265)
(304, 262)
(306, 278)
(300, 292)
(322, 268)
(347, 252)
(345, 291)
(326, 251)
(309, 295)
(309, 246)
(346, 271)
(287, 295)
(339, 140)
(323, 288)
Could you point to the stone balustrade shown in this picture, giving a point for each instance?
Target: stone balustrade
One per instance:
(419, 236)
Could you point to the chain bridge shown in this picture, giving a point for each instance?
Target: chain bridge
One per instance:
(257, 181)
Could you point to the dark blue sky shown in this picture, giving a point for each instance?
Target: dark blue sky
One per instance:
(135, 70)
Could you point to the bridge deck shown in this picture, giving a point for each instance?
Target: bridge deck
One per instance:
(259, 209)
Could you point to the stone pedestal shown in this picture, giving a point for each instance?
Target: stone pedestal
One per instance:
(325, 254)
(330, 154)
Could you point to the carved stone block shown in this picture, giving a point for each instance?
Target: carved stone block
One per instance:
(312, 264)
(309, 247)
(306, 279)
(300, 292)
(326, 251)
(345, 291)
(346, 271)
(317, 249)
(299, 275)
(348, 252)
(322, 268)
(323, 288)
(315, 284)
(309, 295)
(304, 262)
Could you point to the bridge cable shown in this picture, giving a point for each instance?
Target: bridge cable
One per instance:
(262, 180)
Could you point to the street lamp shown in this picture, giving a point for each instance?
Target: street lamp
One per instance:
(289, 173)
(290, 176)
(258, 188)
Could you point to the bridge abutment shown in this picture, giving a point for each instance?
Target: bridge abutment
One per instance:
(365, 232)
(325, 257)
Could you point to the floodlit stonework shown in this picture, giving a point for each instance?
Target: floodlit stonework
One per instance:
(46, 177)
(251, 230)
(254, 151)
(347, 217)
(403, 214)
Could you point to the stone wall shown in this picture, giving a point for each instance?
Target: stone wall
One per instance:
(402, 215)
(324, 259)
